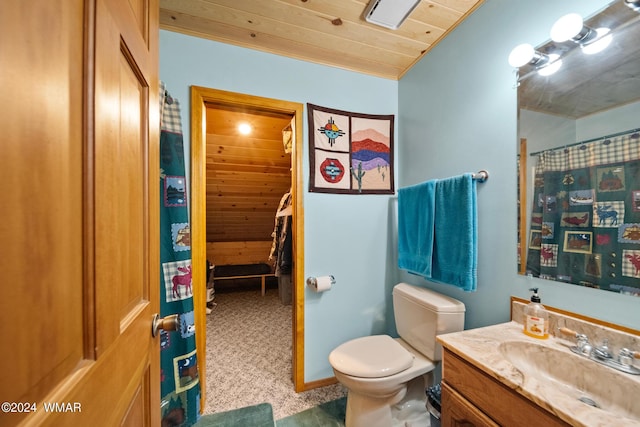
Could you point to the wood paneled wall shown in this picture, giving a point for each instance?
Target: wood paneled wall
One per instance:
(247, 175)
(223, 253)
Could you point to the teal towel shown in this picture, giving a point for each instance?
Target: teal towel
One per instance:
(455, 252)
(416, 206)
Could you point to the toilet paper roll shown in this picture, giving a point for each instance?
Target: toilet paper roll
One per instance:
(321, 284)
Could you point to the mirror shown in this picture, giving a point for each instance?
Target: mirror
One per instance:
(584, 227)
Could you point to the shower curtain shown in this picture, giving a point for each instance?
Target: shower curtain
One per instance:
(180, 384)
(585, 222)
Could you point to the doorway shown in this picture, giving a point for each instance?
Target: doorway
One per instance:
(201, 99)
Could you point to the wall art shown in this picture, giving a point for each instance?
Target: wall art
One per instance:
(350, 153)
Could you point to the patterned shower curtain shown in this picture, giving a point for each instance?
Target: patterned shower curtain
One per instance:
(180, 384)
(585, 222)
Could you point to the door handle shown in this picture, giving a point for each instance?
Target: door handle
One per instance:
(168, 323)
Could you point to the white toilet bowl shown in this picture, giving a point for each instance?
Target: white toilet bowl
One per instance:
(392, 395)
(386, 378)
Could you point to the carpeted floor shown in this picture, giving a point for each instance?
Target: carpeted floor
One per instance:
(249, 356)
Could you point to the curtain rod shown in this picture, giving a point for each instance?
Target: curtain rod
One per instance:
(613, 135)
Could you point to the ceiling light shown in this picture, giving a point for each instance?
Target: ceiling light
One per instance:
(571, 27)
(525, 54)
(552, 66)
(633, 4)
(244, 128)
(601, 42)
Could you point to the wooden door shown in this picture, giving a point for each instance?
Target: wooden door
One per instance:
(79, 221)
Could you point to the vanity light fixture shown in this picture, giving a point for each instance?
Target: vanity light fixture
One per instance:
(552, 66)
(633, 4)
(524, 54)
(601, 43)
(571, 27)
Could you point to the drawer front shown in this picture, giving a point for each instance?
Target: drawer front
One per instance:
(459, 412)
(503, 405)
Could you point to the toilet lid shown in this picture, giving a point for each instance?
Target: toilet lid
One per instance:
(371, 357)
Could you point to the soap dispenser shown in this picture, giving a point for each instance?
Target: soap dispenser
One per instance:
(536, 318)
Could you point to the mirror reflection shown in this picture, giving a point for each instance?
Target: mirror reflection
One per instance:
(579, 161)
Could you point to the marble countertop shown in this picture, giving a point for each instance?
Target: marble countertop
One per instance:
(481, 348)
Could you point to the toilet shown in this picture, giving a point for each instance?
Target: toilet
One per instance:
(386, 377)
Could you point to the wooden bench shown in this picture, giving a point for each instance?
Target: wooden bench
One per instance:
(249, 276)
(244, 271)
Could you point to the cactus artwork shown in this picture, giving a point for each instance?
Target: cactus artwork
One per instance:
(358, 176)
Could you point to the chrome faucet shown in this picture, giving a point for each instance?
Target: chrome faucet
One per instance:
(582, 345)
(602, 354)
(626, 356)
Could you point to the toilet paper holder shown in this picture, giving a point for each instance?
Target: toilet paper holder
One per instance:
(321, 283)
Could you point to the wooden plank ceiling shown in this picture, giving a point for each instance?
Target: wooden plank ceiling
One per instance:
(329, 32)
(246, 175)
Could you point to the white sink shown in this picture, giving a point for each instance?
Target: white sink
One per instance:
(577, 377)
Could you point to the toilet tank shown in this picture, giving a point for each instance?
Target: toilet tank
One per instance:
(421, 314)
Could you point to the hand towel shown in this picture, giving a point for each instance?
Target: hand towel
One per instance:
(416, 206)
(455, 253)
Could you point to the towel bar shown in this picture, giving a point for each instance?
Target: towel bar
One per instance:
(481, 176)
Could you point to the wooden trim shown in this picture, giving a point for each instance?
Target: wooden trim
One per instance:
(439, 39)
(198, 233)
(577, 316)
(319, 383)
(200, 97)
(522, 197)
(88, 129)
(297, 190)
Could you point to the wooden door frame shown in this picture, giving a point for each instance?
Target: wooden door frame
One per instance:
(199, 97)
(522, 208)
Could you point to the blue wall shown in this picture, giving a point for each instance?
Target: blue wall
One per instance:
(455, 113)
(344, 235)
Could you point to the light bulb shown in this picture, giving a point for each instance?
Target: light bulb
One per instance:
(244, 128)
(567, 27)
(521, 55)
(602, 42)
(633, 4)
(554, 65)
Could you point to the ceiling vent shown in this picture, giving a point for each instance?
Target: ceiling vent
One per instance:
(389, 13)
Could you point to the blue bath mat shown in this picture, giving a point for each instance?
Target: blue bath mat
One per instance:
(330, 414)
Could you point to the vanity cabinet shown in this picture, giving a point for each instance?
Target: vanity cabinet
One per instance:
(472, 398)
(458, 411)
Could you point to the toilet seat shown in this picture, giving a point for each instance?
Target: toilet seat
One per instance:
(371, 357)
